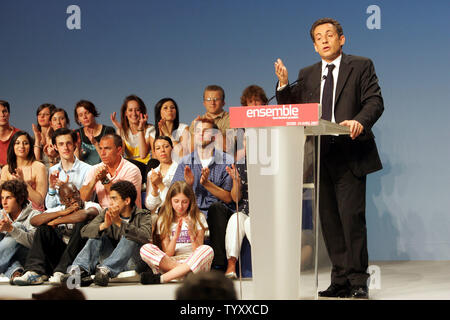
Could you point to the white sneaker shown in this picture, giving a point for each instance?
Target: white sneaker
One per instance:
(30, 278)
(56, 278)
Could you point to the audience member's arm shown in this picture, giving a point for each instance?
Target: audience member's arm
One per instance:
(75, 217)
(215, 190)
(50, 215)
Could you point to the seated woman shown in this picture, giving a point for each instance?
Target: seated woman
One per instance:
(181, 228)
(136, 133)
(58, 119)
(22, 165)
(41, 131)
(167, 123)
(90, 133)
(160, 178)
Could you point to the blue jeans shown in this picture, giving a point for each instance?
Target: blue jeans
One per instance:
(116, 259)
(12, 255)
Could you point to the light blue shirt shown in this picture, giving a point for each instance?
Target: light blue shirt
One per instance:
(76, 175)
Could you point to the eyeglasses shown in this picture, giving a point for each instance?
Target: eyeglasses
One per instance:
(213, 99)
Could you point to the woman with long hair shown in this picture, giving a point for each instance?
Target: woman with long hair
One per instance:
(167, 123)
(22, 165)
(160, 178)
(136, 133)
(181, 229)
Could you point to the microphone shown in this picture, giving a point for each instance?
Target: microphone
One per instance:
(288, 85)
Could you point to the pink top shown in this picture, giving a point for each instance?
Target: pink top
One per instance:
(125, 171)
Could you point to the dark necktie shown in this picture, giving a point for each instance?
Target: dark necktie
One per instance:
(327, 95)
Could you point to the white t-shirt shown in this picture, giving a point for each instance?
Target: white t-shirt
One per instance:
(184, 243)
(176, 134)
(66, 229)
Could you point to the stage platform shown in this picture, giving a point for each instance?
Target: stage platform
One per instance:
(398, 280)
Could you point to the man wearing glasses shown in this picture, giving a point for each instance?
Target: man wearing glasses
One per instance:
(214, 101)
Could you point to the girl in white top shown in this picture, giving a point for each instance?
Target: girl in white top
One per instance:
(181, 228)
(160, 178)
(136, 133)
(167, 123)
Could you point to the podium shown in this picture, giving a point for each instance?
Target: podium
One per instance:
(275, 189)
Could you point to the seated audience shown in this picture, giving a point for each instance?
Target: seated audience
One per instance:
(22, 165)
(160, 178)
(136, 133)
(69, 168)
(57, 240)
(117, 234)
(112, 168)
(90, 133)
(205, 171)
(181, 228)
(6, 130)
(16, 231)
(167, 123)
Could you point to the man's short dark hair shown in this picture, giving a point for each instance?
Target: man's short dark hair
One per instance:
(63, 132)
(214, 87)
(126, 190)
(5, 104)
(321, 21)
(117, 139)
(206, 285)
(18, 189)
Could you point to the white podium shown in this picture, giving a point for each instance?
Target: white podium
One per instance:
(275, 199)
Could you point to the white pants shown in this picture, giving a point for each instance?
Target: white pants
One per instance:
(233, 240)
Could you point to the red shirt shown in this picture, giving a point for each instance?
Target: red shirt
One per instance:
(4, 147)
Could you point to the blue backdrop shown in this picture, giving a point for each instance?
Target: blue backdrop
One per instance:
(175, 48)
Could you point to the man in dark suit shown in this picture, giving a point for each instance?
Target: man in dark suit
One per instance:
(347, 87)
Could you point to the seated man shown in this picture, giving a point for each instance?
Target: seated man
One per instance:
(205, 171)
(16, 231)
(117, 234)
(112, 168)
(69, 169)
(57, 240)
(214, 101)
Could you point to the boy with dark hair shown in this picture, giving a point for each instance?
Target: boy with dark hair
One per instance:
(117, 234)
(16, 231)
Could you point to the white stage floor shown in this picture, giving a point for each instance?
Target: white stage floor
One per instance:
(399, 280)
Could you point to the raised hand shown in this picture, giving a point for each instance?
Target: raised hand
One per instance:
(142, 121)
(281, 73)
(204, 177)
(115, 122)
(189, 176)
(233, 172)
(37, 135)
(163, 131)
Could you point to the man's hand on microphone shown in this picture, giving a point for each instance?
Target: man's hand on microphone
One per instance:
(281, 72)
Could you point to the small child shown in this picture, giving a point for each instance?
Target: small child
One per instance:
(181, 228)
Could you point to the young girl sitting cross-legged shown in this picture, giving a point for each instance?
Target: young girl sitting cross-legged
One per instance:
(181, 228)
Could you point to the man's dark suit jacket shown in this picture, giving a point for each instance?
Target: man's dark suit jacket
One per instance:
(358, 97)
